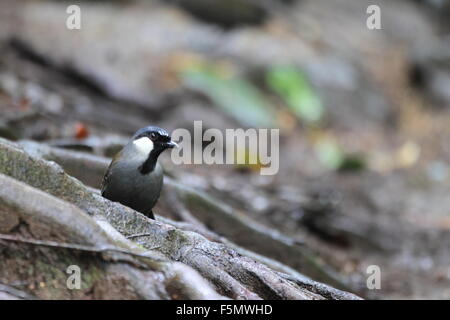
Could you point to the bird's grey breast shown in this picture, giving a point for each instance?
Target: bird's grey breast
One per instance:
(128, 185)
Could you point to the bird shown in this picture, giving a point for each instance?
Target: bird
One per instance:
(134, 177)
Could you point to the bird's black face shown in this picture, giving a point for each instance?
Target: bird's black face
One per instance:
(159, 137)
(150, 142)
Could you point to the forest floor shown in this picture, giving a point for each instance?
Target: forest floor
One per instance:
(89, 90)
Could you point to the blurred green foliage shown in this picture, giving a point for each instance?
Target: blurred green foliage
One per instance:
(293, 87)
(234, 95)
(332, 156)
(329, 153)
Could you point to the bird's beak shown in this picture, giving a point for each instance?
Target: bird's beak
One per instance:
(172, 144)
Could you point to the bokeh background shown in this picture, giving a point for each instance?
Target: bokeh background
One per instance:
(363, 114)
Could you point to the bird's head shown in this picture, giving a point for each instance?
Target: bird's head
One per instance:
(148, 143)
(152, 139)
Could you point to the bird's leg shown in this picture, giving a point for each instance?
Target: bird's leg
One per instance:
(150, 215)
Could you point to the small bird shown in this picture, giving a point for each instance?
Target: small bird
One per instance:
(134, 177)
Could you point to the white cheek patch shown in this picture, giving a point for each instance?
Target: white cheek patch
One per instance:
(144, 145)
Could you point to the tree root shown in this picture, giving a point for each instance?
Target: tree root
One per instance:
(204, 210)
(41, 226)
(232, 274)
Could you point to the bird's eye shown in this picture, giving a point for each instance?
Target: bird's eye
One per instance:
(152, 135)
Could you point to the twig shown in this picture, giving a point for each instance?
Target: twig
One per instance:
(16, 293)
(208, 234)
(54, 244)
(132, 236)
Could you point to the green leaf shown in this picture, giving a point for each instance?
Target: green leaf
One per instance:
(294, 89)
(353, 163)
(235, 96)
(332, 156)
(329, 153)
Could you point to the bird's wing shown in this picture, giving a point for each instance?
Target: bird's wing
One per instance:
(108, 172)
